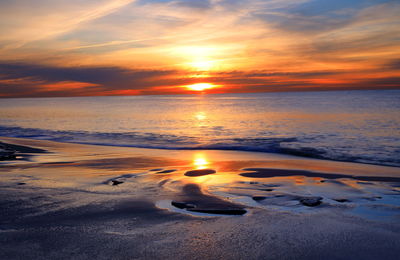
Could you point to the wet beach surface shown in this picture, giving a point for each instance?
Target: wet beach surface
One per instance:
(68, 201)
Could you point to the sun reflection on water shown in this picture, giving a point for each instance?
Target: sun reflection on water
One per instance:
(201, 119)
(200, 116)
(200, 161)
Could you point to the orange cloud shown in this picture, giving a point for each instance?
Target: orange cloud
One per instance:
(66, 86)
(126, 47)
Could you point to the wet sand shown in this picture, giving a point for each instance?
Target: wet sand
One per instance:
(72, 201)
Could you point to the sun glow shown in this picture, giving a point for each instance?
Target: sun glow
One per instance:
(202, 65)
(200, 86)
(200, 161)
(199, 58)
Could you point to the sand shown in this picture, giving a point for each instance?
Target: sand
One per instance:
(73, 201)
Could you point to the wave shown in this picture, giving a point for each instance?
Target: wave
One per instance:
(282, 145)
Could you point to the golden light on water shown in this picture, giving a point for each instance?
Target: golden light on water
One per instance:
(200, 116)
(201, 119)
(200, 161)
(200, 86)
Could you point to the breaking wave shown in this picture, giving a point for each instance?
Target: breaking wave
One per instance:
(311, 147)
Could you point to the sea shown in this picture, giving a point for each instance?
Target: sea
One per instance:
(351, 126)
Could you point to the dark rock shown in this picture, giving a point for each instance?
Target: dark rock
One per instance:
(220, 211)
(193, 199)
(6, 154)
(311, 201)
(258, 198)
(115, 182)
(196, 173)
(156, 170)
(267, 189)
(341, 200)
(182, 205)
(21, 183)
(20, 148)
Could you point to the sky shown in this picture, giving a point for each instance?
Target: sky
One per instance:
(62, 48)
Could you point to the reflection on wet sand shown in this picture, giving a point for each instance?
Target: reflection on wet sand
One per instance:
(219, 183)
(200, 161)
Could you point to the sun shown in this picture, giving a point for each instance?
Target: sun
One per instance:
(200, 86)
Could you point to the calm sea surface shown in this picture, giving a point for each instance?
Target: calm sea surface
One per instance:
(360, 126)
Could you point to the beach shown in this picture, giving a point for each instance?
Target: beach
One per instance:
(202, 129)
(78, 201)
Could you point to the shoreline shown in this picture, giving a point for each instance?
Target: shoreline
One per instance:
(282, 151)
(41, 146)
(118, 194)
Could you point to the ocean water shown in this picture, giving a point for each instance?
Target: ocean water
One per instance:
(355, 126)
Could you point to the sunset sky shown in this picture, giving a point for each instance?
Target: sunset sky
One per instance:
(126, 47)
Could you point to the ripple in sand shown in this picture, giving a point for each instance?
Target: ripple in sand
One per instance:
(167, 171)
(272, 172)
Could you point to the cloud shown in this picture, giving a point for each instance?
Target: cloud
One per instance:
(310, 17)
(29, 21)
(202, 4)
(393, 65)
(33, 80)
(98, 75)
(102, 47)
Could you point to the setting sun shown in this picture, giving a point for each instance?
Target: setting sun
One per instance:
(200, 86)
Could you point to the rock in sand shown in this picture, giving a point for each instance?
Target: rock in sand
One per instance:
(311, 201)
(196, 173)
(115, 182)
